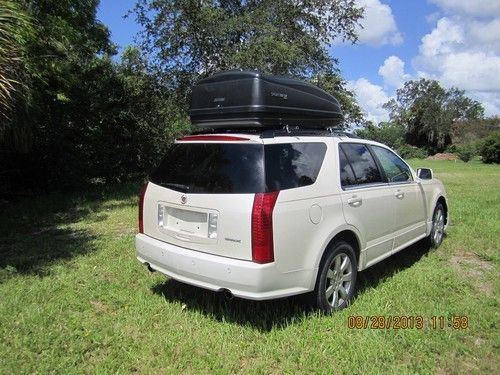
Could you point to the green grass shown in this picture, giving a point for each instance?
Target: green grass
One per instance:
(74, 299)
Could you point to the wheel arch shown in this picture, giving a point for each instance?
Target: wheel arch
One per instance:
(441, 199)
(348, 235)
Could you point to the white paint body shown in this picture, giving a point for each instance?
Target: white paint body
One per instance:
(384, 217)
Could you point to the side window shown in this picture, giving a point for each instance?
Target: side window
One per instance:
(363, 165)
(292, 165)
(395, 169)
(346, 173)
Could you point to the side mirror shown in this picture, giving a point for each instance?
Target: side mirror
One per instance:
(424, 173)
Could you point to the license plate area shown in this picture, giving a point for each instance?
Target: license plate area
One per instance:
(193, 224)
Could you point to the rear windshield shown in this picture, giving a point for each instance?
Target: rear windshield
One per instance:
(236, 168)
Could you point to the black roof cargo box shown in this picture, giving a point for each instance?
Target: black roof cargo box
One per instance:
(237, 99)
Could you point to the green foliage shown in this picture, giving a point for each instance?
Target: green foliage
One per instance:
(122, 136)
(188, 40)
(90, 119)
(489, 149)
(465, 151)
(15, 29)
(64, 43)
(392, 134)
(451, 148)
(411, 152)
(427, 111)
(279, 37)
(388, 133)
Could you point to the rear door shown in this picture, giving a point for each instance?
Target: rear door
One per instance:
(367, 202)
(201, 196)
(407, 196)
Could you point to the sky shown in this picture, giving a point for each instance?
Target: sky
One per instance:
(456, 42)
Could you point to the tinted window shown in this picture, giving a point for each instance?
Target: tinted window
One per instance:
(395, 169)
(292, 165)
(212, 168)
(346, 173)
(363, 165)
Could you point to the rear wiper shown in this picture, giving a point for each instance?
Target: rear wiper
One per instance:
(177, 187)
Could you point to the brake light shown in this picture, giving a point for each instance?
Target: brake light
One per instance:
(212, 138)
(141, 207)
(262, 227)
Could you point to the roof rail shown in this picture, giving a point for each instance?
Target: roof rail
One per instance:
(285, 131)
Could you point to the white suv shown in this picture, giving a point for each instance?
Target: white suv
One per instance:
(269, 214)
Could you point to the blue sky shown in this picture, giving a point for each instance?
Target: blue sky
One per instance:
(454, 41)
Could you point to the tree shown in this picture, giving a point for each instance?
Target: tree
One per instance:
(388, 133)
(15, 28)
(466, 131)
(333, 83)
(65, 39)
(427, 112)
(190, 39)
(127, 120)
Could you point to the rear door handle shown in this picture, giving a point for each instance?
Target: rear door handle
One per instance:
(399, 194)
(355, 201)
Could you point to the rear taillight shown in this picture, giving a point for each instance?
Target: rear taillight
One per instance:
(141, 207)
(262, 227)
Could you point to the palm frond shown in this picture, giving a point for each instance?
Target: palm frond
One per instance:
(15, 25)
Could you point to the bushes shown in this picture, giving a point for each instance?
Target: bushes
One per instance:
(467, 141)
(465, 151)
(489, 148)
(411, 152)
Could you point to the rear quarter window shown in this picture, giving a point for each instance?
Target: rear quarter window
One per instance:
(362, 164)
(292, 165)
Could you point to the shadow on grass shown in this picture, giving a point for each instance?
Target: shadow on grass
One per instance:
(385, 269)
(261, 315)
(279, 313)
(37, 232)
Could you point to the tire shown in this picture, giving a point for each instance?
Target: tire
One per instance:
(336, 278)
(437, 231)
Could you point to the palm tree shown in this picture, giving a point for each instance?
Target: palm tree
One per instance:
(15, 26)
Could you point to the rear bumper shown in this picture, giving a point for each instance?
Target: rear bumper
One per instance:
(243, 278)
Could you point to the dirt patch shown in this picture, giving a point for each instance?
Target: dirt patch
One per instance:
(100, 307)
(472, 266)
(443, 156)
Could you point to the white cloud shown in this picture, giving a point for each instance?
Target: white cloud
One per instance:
(393, 72)
(476, 71)
(379, 26)
(485, 34)
(443, 39)
(486, 8)
(463, 50)
(371, 98)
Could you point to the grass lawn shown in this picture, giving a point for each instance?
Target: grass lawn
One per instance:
(73, 298)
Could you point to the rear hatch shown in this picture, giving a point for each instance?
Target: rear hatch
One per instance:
(201, 196)
(217, 193)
